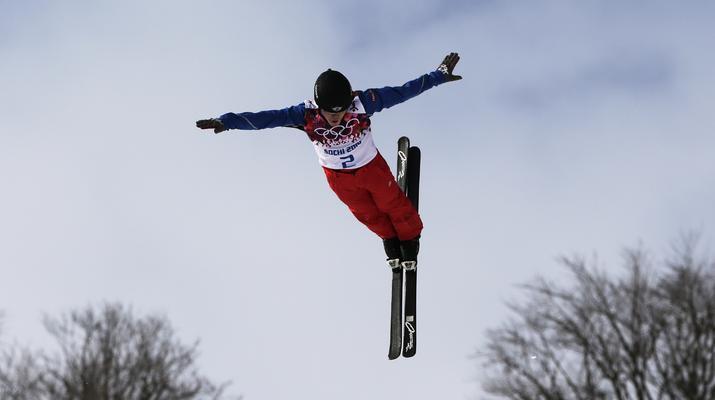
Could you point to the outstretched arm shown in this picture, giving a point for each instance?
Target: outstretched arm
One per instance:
(375, 100)
(290, 116)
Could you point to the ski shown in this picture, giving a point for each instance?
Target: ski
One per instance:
(396, 312)
(403, 332)
(410, 297)
(403, 146)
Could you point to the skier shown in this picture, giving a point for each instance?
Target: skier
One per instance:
(337, 121)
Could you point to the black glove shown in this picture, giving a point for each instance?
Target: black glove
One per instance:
(448, 65)
(212, 123)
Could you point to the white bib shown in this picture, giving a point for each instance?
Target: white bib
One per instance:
(346, 146)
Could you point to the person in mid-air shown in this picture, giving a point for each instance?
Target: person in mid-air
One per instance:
(337, 121)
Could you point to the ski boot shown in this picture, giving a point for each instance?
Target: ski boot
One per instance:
(410, 248)
(393, 251)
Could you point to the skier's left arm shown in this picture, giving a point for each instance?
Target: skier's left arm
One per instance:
(375, 100)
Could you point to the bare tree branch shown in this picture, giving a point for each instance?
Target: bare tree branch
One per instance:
(645, 336)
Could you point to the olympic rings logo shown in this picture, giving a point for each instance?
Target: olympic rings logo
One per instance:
(338, 131)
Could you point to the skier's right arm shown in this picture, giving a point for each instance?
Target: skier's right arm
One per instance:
(290, 116)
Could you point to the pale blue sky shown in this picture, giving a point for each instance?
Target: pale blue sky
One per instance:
(579, 127)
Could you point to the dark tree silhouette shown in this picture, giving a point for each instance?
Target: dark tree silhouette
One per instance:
(106, 353)
(648, 335)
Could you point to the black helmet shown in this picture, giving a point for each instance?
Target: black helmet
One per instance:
(332, 91)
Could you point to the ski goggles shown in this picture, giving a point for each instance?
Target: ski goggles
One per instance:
(335, 109)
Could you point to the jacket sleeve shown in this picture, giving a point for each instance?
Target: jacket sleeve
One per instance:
(375, 100)
(290, 116)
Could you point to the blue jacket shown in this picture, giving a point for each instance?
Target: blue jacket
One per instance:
(373, 100)
(348, 145)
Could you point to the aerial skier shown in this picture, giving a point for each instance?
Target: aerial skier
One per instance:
(337, 121)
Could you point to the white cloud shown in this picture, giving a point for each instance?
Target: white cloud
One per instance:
(109, 192)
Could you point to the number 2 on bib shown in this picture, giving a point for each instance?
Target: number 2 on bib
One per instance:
(347, 160)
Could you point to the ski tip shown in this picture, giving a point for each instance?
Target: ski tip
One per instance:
(395, 349)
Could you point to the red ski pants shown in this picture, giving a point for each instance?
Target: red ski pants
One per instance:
(372, 195)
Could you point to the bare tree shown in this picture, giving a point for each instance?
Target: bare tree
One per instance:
(18, 373)
(106, 353)
(19, 376)
(648, 335)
